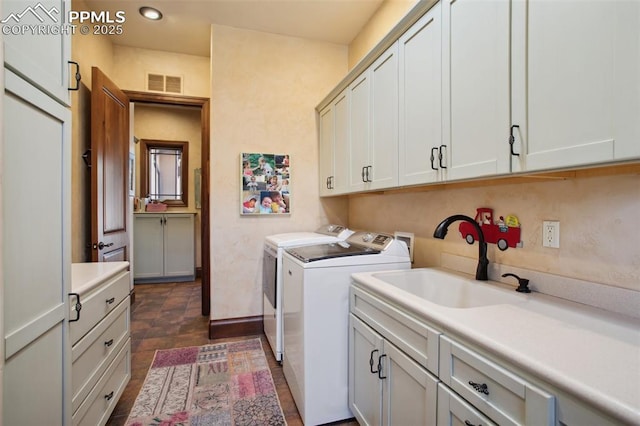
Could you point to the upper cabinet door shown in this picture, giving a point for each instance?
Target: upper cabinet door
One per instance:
(475, 82)
(360, 121)
(37, 44)
(325, 149)
(576, 73)
(383, 158)
(420, 79)
(341, 144)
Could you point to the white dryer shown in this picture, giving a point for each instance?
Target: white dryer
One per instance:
(274, 246)
(316, 318)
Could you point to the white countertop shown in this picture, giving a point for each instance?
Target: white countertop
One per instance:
(587, 352)
(85, 276)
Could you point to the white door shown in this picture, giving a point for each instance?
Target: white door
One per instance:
(383, 161)
(325, 149)
(179, 245)
(148, 245)
(365, 387)
(420, 78)
(409, 393)
(576, 73)
(339, 183)
(36, 234)
(40, 56)
(359, 122)
(476, 86)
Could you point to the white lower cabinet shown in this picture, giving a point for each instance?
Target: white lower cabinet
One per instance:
(164, 247)
(100, 338)
(386, 386)
(402, 371)
(505, 397)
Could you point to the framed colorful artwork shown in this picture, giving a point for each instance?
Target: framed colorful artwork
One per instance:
(265, 181)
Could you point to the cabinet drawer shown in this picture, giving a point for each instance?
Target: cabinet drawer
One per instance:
(97, 303)
(501, 395)
(413, 337)
(94, 352)
(453, 410)
(97, 407)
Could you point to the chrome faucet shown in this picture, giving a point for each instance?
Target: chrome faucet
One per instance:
(483, 262)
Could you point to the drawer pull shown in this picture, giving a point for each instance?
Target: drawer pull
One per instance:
(380, 376)
(108, 342)
(468, 423)
(109, 396)
(110, 301)
(480, 387)
(371, 362)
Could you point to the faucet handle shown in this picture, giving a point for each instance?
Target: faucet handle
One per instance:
(523, 283)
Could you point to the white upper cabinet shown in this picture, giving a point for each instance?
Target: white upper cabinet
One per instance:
(575, 77)
(360, 123)
(334, 146)
(420, 108)
(37, 44)
(325, 149)
(383, 156)
(373, 116)
(475, 82)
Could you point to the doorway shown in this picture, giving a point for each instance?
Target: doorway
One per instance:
(203, 105)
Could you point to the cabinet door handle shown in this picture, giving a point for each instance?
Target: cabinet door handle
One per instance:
(108, 343)
(371, 362)
(512, 140)
(480, 387)
(110, 300)
(441, 156)
(369, 169)
(77, 307)
(76, 76)
(380, 376)
(468, 423)
(433, 157)
(109, 396)
(362, 173)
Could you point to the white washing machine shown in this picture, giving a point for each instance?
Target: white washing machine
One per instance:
(274, 246)
(316, 318)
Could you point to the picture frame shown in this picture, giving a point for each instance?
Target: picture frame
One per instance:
(265, 181)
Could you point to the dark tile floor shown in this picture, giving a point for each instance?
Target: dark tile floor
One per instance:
(168, 316)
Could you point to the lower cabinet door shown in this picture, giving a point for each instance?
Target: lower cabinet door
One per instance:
(365, 387)
(453, 410)
(409, 391)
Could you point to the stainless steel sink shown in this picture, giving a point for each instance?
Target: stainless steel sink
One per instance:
(449, 289)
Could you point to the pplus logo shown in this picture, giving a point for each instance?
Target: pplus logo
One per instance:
(42, 20)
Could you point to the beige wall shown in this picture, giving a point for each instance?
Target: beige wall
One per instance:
(89, 51)
(131, 65)
(598, 232)
(167, 123)
(264, 91)
(389, 13)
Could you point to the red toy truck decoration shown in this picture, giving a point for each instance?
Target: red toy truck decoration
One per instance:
(504, 233)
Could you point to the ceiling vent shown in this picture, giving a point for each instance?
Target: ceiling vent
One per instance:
(164, 83)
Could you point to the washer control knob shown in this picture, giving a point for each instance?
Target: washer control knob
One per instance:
(367, 237)
(331, 228)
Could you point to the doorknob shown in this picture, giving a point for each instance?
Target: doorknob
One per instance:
(101, 245)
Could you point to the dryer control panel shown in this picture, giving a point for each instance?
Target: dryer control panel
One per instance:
(371, 240)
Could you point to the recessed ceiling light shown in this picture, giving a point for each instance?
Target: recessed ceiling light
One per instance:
(151, 13)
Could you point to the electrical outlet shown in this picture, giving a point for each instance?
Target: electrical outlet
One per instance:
(551, 233)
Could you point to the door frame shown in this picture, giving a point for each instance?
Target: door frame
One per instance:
(203, 104)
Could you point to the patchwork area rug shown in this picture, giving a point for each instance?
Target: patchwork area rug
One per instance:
(221, 384)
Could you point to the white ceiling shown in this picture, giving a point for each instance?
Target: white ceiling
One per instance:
(185, 27)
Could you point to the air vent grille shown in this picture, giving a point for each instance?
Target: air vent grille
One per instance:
(164, 83)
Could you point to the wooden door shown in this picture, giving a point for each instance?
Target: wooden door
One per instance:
(109, 170)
